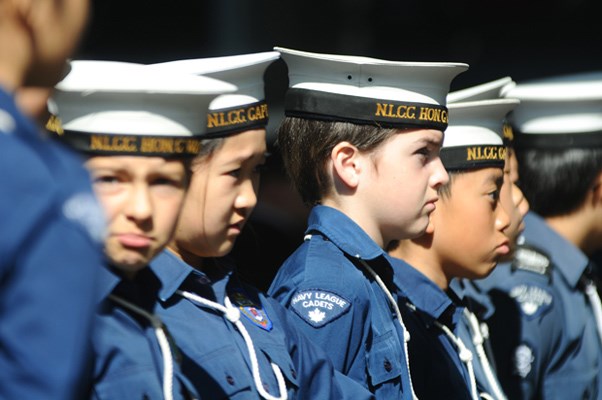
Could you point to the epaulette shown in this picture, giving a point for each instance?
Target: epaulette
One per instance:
(532, 259)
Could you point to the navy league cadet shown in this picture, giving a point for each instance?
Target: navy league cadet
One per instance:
(236, 342)
(545, 331)
(441, 349)
(51, 229)
(361, 142)
(137, 129)
(473, 329)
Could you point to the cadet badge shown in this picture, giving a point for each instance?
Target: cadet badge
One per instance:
(532, 299)
(319, 307)
(253, 312)
(523, 358)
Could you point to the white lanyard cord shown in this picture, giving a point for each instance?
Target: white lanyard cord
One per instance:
(465, 356)
(594, 299)
(232, 314)
(478, 340)
(406, 334)
(163, 343)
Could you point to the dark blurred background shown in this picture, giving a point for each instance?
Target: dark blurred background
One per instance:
(522, 39)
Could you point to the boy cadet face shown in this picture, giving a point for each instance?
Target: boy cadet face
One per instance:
(222, 195)
(469, 225)
(406, 175)
(55, 29)
(141, 197)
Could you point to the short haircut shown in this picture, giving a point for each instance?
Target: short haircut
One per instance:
(556, 181)
(306, 145)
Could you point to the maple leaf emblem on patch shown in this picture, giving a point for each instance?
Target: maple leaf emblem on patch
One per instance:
(316, 315)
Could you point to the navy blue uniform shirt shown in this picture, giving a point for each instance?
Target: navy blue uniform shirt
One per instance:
(50, 253)
(435, 364)
(128, 362)
(543, 330)
(215, 355)
(340, 306)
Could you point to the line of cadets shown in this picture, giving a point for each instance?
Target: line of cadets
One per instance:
(382, 299)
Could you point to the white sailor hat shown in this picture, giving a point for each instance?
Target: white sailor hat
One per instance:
(473, 138)
(487, 91)
(368, 91)
(117, 108)
(558, 112)
(230, 113)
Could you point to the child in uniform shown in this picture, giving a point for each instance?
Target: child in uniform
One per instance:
(136, 129)
(236, 342)
(361, 142)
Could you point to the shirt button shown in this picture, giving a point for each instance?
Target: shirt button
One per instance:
(294, 373)
(388, 366)
(230, 380)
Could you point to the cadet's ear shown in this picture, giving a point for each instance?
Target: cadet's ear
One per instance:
(346, 163)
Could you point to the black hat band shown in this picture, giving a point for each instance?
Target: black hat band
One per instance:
(558, 140)
(473, 157)
(325, 106)
(128, 144)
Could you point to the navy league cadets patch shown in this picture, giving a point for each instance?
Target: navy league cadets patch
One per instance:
(319, 307)
(253, 312)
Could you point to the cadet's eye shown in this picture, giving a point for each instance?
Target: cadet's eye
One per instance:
(105, 180)
(165, 181)
(495, 195)
(235, 173)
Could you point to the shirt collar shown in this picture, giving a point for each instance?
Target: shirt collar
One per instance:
(171, 271)
(567, 258)
(343, 232)
(108, 279)
(420, 290)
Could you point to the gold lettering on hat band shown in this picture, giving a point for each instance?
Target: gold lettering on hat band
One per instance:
(326, 106)
(132, 144)
(252, 115)
(476, 153)
(472, 157)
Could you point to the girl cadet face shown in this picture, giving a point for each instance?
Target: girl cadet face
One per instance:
(222, 195)
(141, 197)
(469, 225)
(406, 174)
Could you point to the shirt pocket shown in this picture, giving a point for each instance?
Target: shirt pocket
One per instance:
(135, 384)
(385, 358)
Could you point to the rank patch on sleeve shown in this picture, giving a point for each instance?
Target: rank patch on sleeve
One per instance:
(532, 300)
(319, 307)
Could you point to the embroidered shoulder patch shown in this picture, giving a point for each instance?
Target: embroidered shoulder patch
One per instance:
(253, 312)
(319, 307)
(532, 299)
(529, 258)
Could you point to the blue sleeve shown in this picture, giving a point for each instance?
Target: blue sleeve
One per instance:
(48, 265)
(316, 375)
(342, 334)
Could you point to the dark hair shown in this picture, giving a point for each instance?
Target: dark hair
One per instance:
(306, 144)
(556, 181)
(208, 147)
